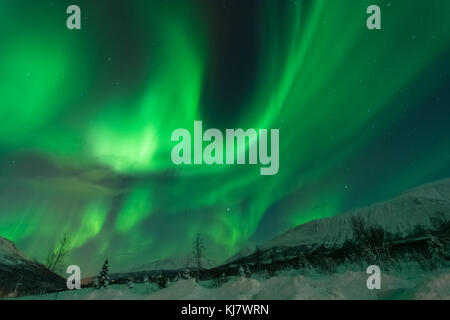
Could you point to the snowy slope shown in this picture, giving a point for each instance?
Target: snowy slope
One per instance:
(400, 216)
(175, 263)
(18, 275)
(248, 250)
(9, 255)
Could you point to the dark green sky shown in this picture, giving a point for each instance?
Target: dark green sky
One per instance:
(87, 116)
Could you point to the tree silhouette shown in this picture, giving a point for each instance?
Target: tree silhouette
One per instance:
(103, 278)
(198, 253)
(57, 254)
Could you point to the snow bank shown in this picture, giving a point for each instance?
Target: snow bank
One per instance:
(435, 288)
(349, 285)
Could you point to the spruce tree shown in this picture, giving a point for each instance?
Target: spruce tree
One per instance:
(198, 254)
(186, 274)
(302, 263)
(258, 258)
(103, 278)
(436, 250)
(223, 278)
(248, 272)
(241, 271)
(130, 283)
(162, 281)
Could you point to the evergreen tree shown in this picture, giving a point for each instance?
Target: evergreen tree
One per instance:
(219, 280)
(223, 278)
(258, 258)
(96, 284)
(242, 272)
(248, 272)
(162, 281)
(436, 249)
(103, 278)
(265, 274)
(186, 275)
(369, 253)
(198, 253)
(303, 263)
(327, 265)
(130, 283)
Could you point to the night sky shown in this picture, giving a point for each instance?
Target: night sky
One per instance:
(87, 116)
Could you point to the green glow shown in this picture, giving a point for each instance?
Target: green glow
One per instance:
(87, 118)
(91, 224)
(136, 207)
(30, 78)
(124, 143)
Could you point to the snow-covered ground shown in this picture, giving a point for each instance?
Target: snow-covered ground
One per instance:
(289, 286)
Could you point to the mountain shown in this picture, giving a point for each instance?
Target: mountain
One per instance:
(9, 255)
(248, 250)
(175, 263)
(20, 276)
(418, 208)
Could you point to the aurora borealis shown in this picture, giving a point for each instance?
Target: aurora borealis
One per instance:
(87, 117)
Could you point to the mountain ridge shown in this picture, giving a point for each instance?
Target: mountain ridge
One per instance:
(401, 215)
(21, 276)
(175, 263)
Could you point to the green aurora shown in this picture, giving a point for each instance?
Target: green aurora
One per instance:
(87, 116)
